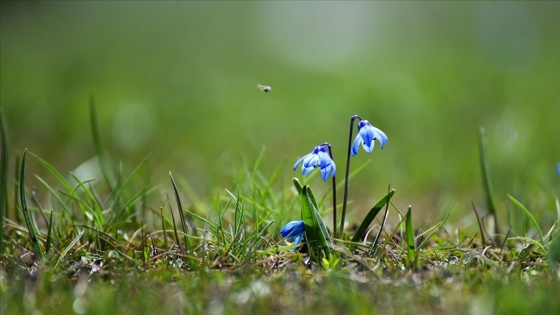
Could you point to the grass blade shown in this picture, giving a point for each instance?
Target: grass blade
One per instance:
(68, 248)
(3, 178)
(49, 235)
(256, 169)
(131, 202)
(190, 194)
(410, 242)
(54, 172)
(488, 191)
(164, 228)
(96, 207)
(435, 229)
(103, 162)
(180, 209)
(25, 210)
(55, 195)
(371, 215)
(117, 192)
(175, 228)
(480, 224)
(16, 215)
(557, 210)
(529, 215)
(529, 240)
(71, 191)
(383, 221)
(238, 215)
(212, 226)
(554, 254)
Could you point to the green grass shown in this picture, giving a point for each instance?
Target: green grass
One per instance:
(166, 193)
(120, 246)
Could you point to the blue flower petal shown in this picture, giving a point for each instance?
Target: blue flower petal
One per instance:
(298, 239)
(356, 145)
(381, 136)
(298, 162)
(332, 169)
(367, 136)
(325, 174)
(312, 160)
(368, 143)
(307, 170)
(327, 169)
(327, 165)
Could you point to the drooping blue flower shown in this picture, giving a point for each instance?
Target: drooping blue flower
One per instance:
(558, 168)
(319, 157)
(294, 231)
(367, 134)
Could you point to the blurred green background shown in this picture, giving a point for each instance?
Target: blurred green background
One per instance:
(178, 79)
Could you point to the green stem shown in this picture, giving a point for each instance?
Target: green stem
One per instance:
(346, 176)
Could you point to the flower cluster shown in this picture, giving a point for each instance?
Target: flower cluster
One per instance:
(321, 157)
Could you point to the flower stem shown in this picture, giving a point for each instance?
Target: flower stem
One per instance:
(328, 145)
(345, 200)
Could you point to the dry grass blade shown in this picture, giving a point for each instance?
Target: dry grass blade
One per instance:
(480, 224)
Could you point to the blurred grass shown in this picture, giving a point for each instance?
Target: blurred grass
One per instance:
(261, 294)
(177, 79)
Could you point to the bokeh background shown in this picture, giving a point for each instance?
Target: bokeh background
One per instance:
(178, 80)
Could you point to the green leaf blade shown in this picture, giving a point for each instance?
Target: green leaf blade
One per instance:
(371, 215)
(410, 242)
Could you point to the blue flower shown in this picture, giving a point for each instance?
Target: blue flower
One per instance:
(558, 168)
(317, 158)
(367, 134)
(294, 231)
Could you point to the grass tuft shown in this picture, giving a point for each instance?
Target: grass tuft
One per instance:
(28, 220)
